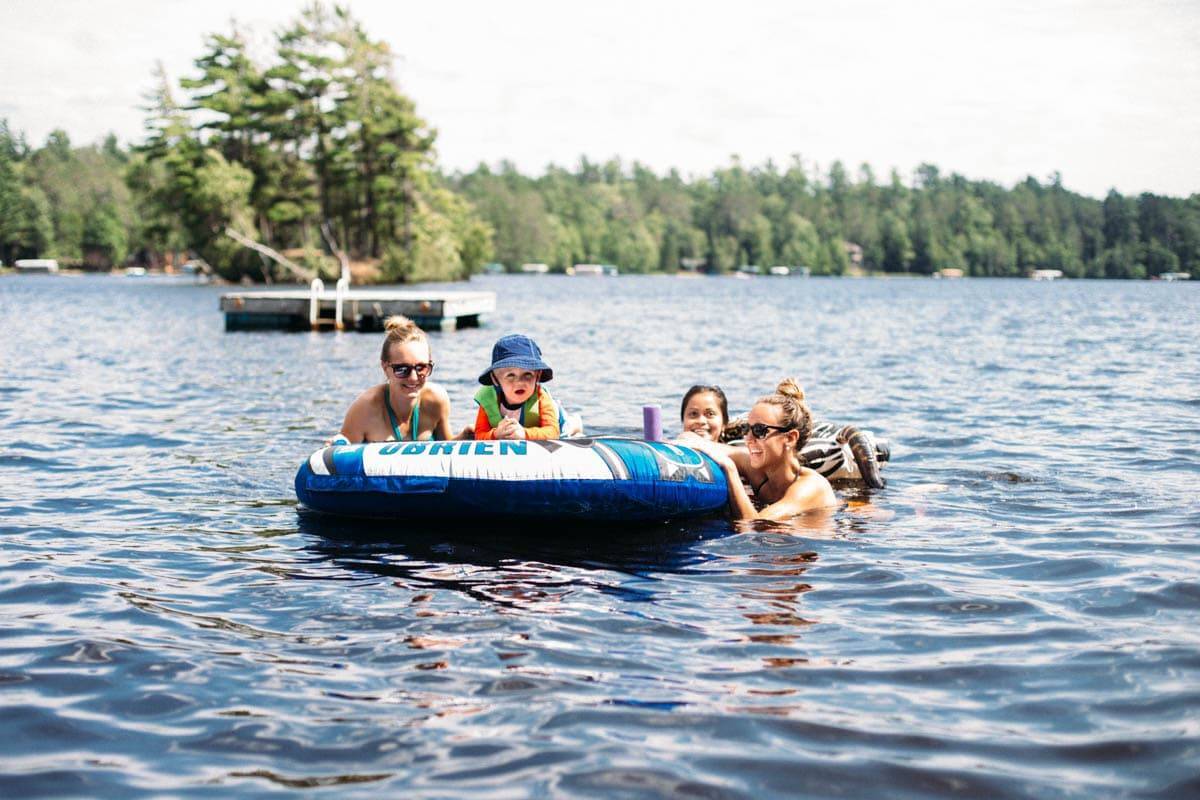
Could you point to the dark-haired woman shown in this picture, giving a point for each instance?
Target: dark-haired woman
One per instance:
(705, 412)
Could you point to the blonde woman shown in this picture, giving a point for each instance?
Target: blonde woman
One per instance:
(406, 406)
(777, 429)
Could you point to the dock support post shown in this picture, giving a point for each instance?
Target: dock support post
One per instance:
(343, 288)
(314, 301)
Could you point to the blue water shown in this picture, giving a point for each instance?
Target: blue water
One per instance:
(1014, 616)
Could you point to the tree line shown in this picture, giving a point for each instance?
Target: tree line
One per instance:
(317, 152)
(313, 153)
(797, 215)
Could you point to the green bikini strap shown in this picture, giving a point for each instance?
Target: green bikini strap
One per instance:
(414, 424)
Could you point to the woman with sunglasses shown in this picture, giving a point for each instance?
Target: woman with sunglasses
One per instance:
(405, 407)
(777, 428)
(837, 453)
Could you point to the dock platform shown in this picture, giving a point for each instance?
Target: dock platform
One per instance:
(361, 310)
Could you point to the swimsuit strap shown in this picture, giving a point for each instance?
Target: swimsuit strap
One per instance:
(414, 424)
(387, 403)
(758, 488)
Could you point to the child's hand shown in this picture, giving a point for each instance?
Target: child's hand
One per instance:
(509, 429)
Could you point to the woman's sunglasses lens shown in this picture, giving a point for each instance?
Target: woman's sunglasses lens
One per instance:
(404, 370)
(760, 431)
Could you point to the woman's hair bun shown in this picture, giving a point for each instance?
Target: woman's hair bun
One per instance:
(398, 324)
(400, 329)
(789, 388)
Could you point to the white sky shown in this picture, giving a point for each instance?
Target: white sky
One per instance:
(1107, 93)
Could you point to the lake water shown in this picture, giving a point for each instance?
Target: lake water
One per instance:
(1015, 615)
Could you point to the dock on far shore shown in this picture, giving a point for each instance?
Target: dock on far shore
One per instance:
(361, 310)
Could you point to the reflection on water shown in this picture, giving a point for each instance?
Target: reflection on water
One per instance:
(1011, 617)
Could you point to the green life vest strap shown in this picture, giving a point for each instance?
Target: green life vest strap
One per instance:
(488, 398)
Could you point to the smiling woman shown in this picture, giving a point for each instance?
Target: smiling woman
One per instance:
(406, 406)
(778, 427)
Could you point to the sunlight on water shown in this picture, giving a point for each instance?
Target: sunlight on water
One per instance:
(1013, 616)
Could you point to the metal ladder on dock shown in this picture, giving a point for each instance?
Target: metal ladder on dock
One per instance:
(317, 319)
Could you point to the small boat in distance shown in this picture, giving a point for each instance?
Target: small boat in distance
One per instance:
(36, 265)
(1175, 276)
(586, 269)
(596, 270)
(1046, 274)
(782, 271)
(535, 269)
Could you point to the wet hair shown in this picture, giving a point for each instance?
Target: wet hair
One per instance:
(401, 329)
(789, 397)
(702, 389)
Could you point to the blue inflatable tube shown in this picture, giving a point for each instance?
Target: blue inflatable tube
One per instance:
(601, 479)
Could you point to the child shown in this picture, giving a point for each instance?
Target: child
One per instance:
(513, 403)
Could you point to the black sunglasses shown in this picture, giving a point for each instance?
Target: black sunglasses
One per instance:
(403, 370)
(760, 430)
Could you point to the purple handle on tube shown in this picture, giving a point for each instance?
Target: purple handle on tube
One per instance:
(652, 423)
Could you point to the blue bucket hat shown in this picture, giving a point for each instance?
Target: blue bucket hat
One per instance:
(517, 350)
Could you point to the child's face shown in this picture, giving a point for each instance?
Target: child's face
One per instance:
(703, 417)
(517, 384)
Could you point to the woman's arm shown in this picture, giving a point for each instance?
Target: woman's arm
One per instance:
(723, 454)
(739, 501)
(719, 450)
(810, 490)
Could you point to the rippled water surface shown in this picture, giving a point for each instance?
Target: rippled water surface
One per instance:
(1015, 615)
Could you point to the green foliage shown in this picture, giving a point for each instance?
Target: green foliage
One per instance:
(62, 201)
(105, 238)
(33, 224)
(446, 241)
(320, 138)
(640, 221)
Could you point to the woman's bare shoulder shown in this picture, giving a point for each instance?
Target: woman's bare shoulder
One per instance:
(372, 395)
(812, 490)
(364, 407)
(434, 392)
(434, 398)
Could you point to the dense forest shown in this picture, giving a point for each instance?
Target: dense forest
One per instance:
(314, 153)
(797, 216)
(318, 153)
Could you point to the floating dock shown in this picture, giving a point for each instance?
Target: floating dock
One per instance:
(361, 310)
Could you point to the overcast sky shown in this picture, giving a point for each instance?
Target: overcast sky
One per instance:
(1107, 93)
